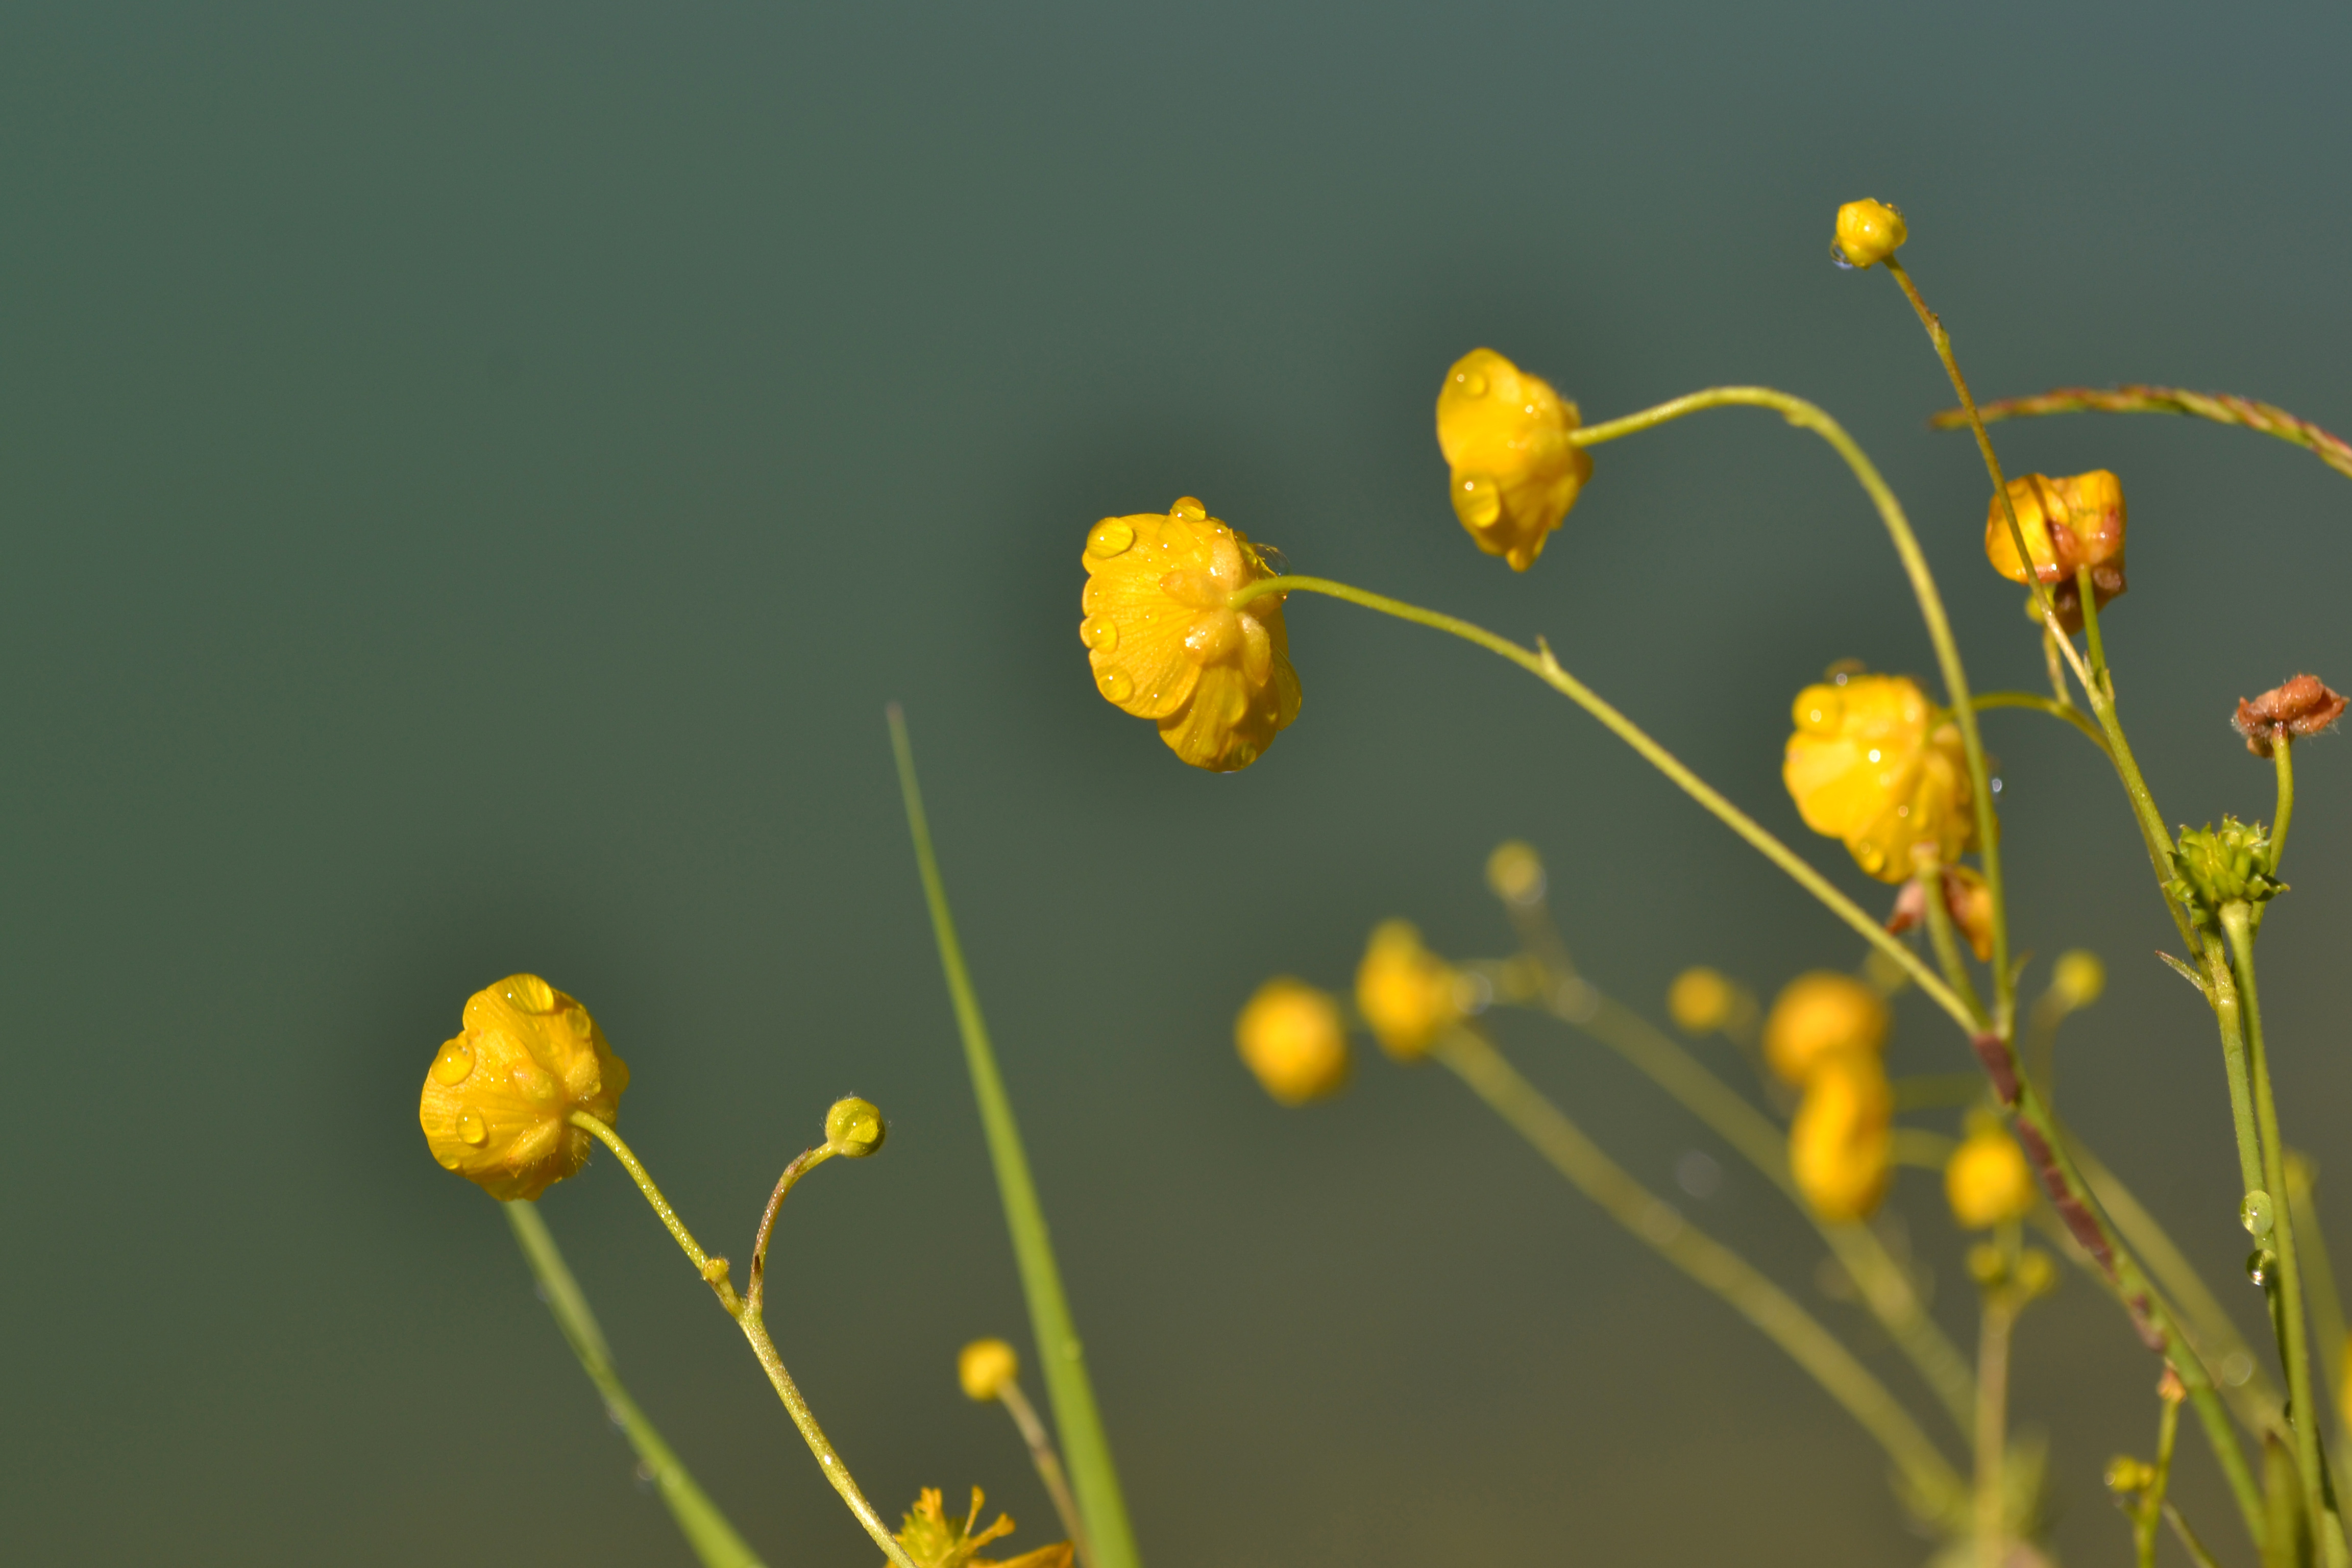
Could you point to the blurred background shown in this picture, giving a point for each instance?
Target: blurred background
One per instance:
(474, 477)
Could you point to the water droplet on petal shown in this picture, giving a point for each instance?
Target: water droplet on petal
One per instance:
(1472, 383)
(455, 1062)
(1233, 705)
(1111, 537)
(1099, 633)
(1871, 858)
(1117, 685)
(1837, 255)
(1189, 509)
(581, 1024)
(531, 994)
(473, 1130)
(447, 1158)
(1478, 501)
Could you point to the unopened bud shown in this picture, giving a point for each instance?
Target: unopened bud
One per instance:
(1516, 872)
(853, 1129)
(1289, 1035)
(2077, 979)
(1701, 1000)
(1821, 1015)
(2069, 524)
(984, 1367)
(2303, 706)
(1987, 1266)
(1868, 232)
(2037, 1275)
(2128, 1476)
(2230, 864)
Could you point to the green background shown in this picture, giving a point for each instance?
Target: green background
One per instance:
(473, 476)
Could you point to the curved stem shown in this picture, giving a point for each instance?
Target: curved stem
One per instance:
(2055, 708)
(1998, 1317)
(713, 1269)
(1658, 1224)
(1545, 668)
(1806, 416)
(1049, 1466)
(2222, 407)
(755, 1295)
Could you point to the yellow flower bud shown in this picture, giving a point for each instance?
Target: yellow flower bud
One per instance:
(1868, 233)
(1821, 1015)
(1404, 990)
(1841, 1145)
(984, 1367)
(1876, 765)
(1701, 1000)
(2037, 1274)
(1166, 644)
(1504, 434)
(497, 1097)
(1987, 1180)
(1516, 873)
(1289, 1034)
(2068, 524)
(853, 1128)
(2078, 978)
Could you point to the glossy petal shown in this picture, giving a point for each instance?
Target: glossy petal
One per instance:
(1504, 437)
(497, 1099)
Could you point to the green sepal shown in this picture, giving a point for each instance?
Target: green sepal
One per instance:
(2231, 863)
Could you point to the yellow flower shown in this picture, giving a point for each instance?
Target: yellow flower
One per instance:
(934, 1541)
(1165, 645)
(2068, 524)
(497, 1098)
(1841, 1145)
(1819, 1016)
(1504, 434)
(1877, 765)
(1867, 233)
(1516, 873)
(985, 1367)
(1290, 1036)
(1701, 1000)
(2077, 978)
(1987, 1180)
(1404, 990)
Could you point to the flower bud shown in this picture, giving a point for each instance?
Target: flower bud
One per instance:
(1875, 765)
(1967, 899)
(2077, 979)
(1516, 873)
(1841, 1145)
(853, 1128)
(2068, 524)
(2220, 866)
(1505, 435)
(1987, 1180)
(1701, 1000)
(2129, 1477)
(2037, 1275)
(498, 1098)
(984, 1367)
(1290, 1036)
(1868, 233)
(1405, 992)
(2303, 706)
(1819, 1016)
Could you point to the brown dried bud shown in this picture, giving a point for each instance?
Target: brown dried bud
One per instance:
(2303, 706)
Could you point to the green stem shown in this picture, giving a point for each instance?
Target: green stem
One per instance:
(1093, 1475)
(2055, 708)
(2151, 1508)
(2189, 1541)
(2000, 1316)
(1049, 1466)
(2283, 754)
(1540, 663)
(1938, 1486)
(2093, 645)
(713, 1269)
(2294, 1347)
(2229, 1012)
(1807, 416)
(2326, 1303)
(755, 1295)
(706, 1530)
(1947, 949)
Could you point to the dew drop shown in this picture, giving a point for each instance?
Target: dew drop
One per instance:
(531, 994)
(1871, 858)
(473, 1129)
(1472, 383)
(581, 1024)
(1189, 509)
(1111, 537)
(2257, 1215)
(1837, 255)
(455, 1062)
(1099, 633)
(1117, 685)
(447, 1158)
(2259, 1263)
(1477, 499)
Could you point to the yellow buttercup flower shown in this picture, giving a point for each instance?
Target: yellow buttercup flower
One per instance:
(1987, 1180)
(984, 1367)
(1291, 1037)
(2068, 524)
(1875, 764)
(1819, 1016)
(1868, 233)
(1504, 434)
(497, 1097)
(1166, 645)
(1405, 992)
(1841, 1145)
(934, 1541)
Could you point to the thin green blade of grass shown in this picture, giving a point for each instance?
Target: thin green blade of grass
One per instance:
(1086, 1450)
(706, 1528)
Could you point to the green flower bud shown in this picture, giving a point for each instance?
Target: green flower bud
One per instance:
(852, 1128)
(2229, 865)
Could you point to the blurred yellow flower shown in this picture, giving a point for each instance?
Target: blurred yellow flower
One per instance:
(934, 1541)
(1516, 873)
(1868, 233)
(1819, 1015)
(1841, 1145)
(1504, 434)
(1405, 992)
(1876, 765)
(2077, 978)
(1701, 1000)
(985, 1366)
(1166, 645)
(1289, 1034)
(1986, 1180)
(2068, 524)
(496, 1097)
